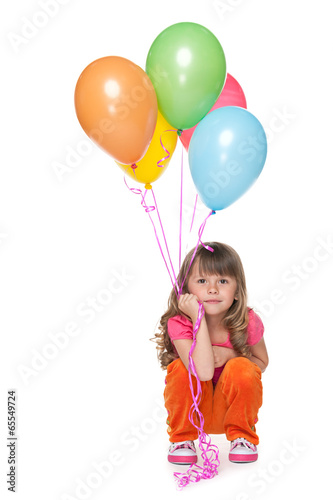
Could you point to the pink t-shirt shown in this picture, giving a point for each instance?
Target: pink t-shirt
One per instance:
(180, 327)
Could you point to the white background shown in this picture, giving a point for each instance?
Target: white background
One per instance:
(99, 400)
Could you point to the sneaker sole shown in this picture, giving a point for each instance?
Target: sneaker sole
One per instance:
(243, 459)
(182, 460)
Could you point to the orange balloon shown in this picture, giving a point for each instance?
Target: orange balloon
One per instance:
(116, 105)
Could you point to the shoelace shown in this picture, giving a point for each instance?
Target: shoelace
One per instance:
(183, 446)
(242, 442)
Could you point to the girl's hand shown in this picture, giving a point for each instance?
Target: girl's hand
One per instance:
(189, 305)
(222, 355)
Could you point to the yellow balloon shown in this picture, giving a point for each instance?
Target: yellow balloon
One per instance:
(147, 170)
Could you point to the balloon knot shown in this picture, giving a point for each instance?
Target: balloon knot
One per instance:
(148, 186)
(134, 166)
(179, 132)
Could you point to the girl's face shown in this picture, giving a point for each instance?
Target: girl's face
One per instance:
(217, 293)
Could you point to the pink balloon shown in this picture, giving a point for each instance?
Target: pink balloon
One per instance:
(232, 95)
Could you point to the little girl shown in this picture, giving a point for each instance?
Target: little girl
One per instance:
(229, 355)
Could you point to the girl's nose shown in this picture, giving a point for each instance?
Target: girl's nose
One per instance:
(212, 289)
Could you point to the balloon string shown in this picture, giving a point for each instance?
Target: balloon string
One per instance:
(181, 213)
(202, 227)
(194, 209)
(149, 209)
(209, 452)
(138, 191)
(160, 247)
(165, 241)
(165, 149)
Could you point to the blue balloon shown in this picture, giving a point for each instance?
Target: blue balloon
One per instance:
(227, 153)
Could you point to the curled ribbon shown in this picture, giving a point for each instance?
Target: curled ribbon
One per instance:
(139, 191)
(150, 209)
(165, 149)
(209, 452)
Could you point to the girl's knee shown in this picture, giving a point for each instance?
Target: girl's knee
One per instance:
(238, 363)
(176, 373)
(178, 377)
(177, 367)
(242, 370)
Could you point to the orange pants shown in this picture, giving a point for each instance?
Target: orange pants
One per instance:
(230, 408)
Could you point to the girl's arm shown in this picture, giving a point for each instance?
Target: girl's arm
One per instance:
(259, 355)
(223, 354)
(203, 355)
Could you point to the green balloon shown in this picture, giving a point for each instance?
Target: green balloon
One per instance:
(187, 67)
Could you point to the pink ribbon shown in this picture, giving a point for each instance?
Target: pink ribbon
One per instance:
(202, 227)
(149, 209)
(209, 452)
(165, 149)
(175, 284)
(181, 212)
(194, 208)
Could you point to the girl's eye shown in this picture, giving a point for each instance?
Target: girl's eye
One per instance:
(223, 281)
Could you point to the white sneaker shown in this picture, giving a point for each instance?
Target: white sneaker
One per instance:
(242, 451)
(182, 453)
